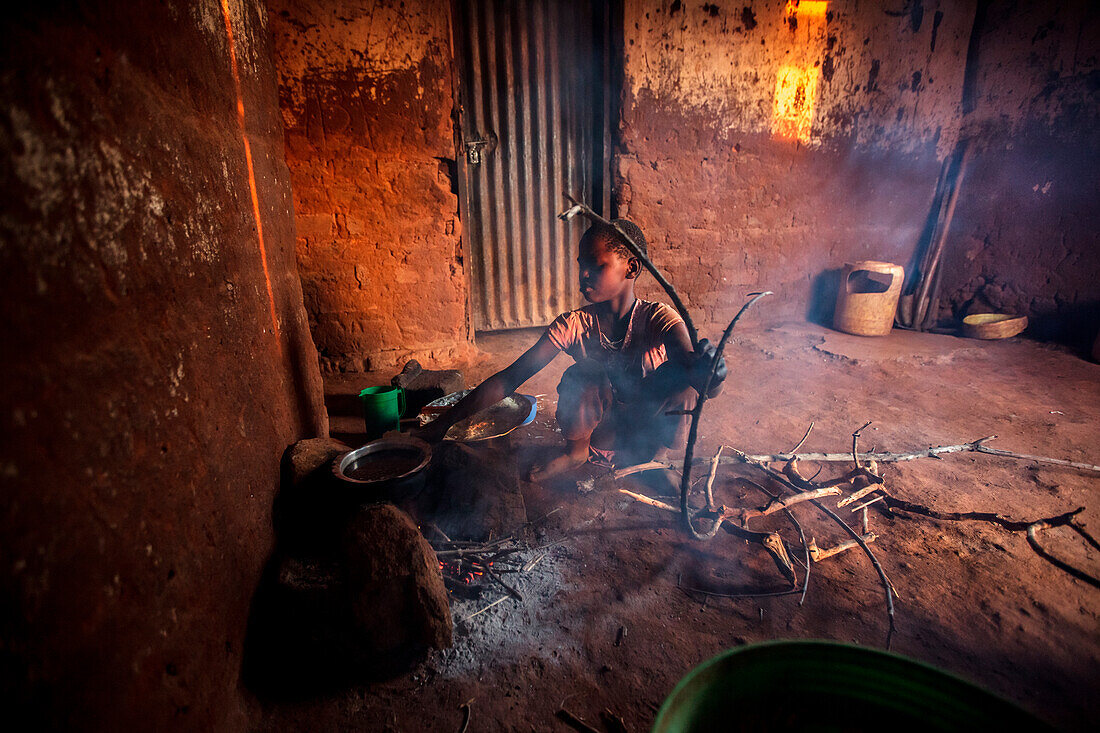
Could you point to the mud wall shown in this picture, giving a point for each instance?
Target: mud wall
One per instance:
(764, 144)
(1027, 234)
(156, 358)
(366, 96)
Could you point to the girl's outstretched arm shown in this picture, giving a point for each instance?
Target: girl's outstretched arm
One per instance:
(492, 390)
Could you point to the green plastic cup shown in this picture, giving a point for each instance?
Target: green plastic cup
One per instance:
(382, 409)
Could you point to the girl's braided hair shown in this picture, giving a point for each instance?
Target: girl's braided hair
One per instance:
(614, 240)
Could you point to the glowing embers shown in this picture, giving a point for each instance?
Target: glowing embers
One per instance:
(795, 95)
(796, 83)
(463, 577)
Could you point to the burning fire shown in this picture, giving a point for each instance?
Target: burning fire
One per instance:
(464, 571)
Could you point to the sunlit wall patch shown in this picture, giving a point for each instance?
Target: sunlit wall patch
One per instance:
(796, 83)
(234, 68)
(795, 95)
(807, 8)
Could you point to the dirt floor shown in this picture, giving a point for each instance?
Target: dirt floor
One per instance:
(603, 624)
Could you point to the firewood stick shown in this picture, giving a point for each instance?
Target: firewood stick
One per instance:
(819, 555)
(639, 468)
(922, 297)
(1032, 540)
(785, 503)
(773, 543)
(866, 504)
(798, 485)
(1037, 459)
(977, 446)
(855, 444)
(857, 496)
(651, 502)
(709, 492)
(486, 608)
(804, 436)
(806, 553)
(511, 591)
(790, 501)
(918, 284)
(722, 521)
(532, 563)
(797, 526)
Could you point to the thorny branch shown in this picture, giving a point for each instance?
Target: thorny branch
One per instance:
(976, 446)
(696, 413)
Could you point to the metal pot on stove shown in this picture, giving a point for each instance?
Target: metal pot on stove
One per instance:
(387, 469)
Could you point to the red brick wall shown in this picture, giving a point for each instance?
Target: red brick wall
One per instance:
(365, 91)
(155, 366)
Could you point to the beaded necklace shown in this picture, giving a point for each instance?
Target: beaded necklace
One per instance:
(617, 344)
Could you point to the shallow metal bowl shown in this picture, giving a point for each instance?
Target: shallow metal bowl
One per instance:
(493, 422)
(420, 453)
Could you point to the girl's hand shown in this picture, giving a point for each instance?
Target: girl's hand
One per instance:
(431, 433)
(702, 360)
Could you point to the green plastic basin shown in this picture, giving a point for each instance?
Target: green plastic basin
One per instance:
(828, 686)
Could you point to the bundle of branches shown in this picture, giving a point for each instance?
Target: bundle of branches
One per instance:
(860, 488)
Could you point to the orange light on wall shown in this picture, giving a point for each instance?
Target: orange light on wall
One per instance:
(251, 173)
(795, 95)
(807, 8)
(796, 84)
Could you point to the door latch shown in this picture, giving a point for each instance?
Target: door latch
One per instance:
(473, 150)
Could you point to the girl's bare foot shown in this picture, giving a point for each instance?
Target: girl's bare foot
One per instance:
(573, 458)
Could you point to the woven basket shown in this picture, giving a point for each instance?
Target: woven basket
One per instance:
(993, 325)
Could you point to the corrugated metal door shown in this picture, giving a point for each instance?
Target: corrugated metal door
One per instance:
(533, 124)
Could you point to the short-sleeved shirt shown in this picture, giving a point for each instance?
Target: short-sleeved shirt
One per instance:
(642, 350)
